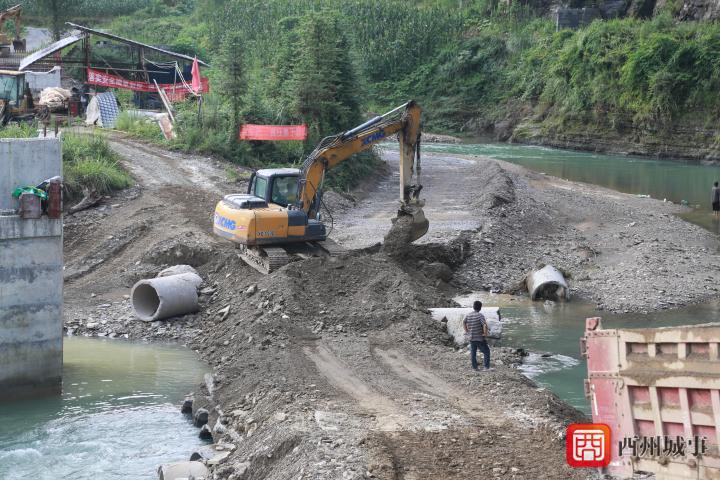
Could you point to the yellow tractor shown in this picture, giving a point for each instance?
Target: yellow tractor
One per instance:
(16, 100)
(280, 213)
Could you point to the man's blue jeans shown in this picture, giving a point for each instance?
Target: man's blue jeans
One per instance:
(483, 346)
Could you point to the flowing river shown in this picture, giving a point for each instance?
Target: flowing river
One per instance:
(118, 416)
(552, 333)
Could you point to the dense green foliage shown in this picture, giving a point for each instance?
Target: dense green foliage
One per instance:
(19, 130)
(470, 64)
(139, 126)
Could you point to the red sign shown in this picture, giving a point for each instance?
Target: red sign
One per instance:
(587, 445)
(175, 91)
(273, 132)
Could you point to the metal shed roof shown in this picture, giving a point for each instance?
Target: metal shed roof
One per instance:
(49, 50)
(133, 42)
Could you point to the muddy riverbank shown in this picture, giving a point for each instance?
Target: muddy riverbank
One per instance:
(334, 368)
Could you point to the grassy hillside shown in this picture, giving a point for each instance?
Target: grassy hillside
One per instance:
(475, 66)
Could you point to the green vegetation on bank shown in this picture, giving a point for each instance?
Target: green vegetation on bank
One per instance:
(89, 164)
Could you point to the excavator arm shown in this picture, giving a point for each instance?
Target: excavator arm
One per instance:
(403, 120)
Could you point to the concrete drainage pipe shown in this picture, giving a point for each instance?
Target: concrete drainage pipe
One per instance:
(183, 471)
(164, 297)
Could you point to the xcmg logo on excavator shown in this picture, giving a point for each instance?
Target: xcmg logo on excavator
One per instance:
(223, 222)
(374, 137)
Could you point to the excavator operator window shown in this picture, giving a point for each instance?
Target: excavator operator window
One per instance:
(260, 187)
(284, 191)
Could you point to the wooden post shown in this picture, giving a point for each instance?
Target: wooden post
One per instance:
(86, 51)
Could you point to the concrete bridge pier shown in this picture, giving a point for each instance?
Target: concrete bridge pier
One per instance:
(31, 276)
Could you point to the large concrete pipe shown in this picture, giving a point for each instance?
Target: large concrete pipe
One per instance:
(184, 470)
(547, 283)
(163, 297)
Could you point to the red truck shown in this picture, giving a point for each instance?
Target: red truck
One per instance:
(658, 389)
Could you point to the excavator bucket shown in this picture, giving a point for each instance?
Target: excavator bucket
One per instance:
(409, 225)
(419, 225)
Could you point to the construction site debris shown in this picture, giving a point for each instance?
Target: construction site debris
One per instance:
(547, 283)
(90, 199)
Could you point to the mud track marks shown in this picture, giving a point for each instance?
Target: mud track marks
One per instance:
(419, 377)
(410, 378)
(339, 375)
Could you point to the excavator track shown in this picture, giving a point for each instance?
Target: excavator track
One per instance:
(264, 259)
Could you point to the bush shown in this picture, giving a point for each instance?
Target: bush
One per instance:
(19, 130)
(139, 126)
(90, 164)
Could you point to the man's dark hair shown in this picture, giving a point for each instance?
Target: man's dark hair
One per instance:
(477, 305)
(716, 184)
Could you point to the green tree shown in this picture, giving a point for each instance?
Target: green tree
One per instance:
(59, 11)
(232, 75)
(323, 85)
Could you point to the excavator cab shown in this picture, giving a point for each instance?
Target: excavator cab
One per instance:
(277, 186)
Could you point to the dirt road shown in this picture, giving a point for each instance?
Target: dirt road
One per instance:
(164, 218)
(448, 186)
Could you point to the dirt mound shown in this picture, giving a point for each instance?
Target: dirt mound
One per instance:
(498, 188)
(188, 250)
(356, 292)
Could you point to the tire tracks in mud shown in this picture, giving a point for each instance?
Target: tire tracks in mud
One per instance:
(413, 376)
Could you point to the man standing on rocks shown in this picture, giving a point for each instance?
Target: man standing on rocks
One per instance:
(476, 328)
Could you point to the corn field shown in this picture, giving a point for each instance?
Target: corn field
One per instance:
(388, 38)
(81, 8)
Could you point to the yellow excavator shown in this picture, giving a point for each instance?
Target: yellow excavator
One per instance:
(280, 214)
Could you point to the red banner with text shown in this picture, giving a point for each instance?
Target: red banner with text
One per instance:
(175, 91)
(273, 132)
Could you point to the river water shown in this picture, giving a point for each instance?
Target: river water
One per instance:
(118, 416)
(556, 329)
